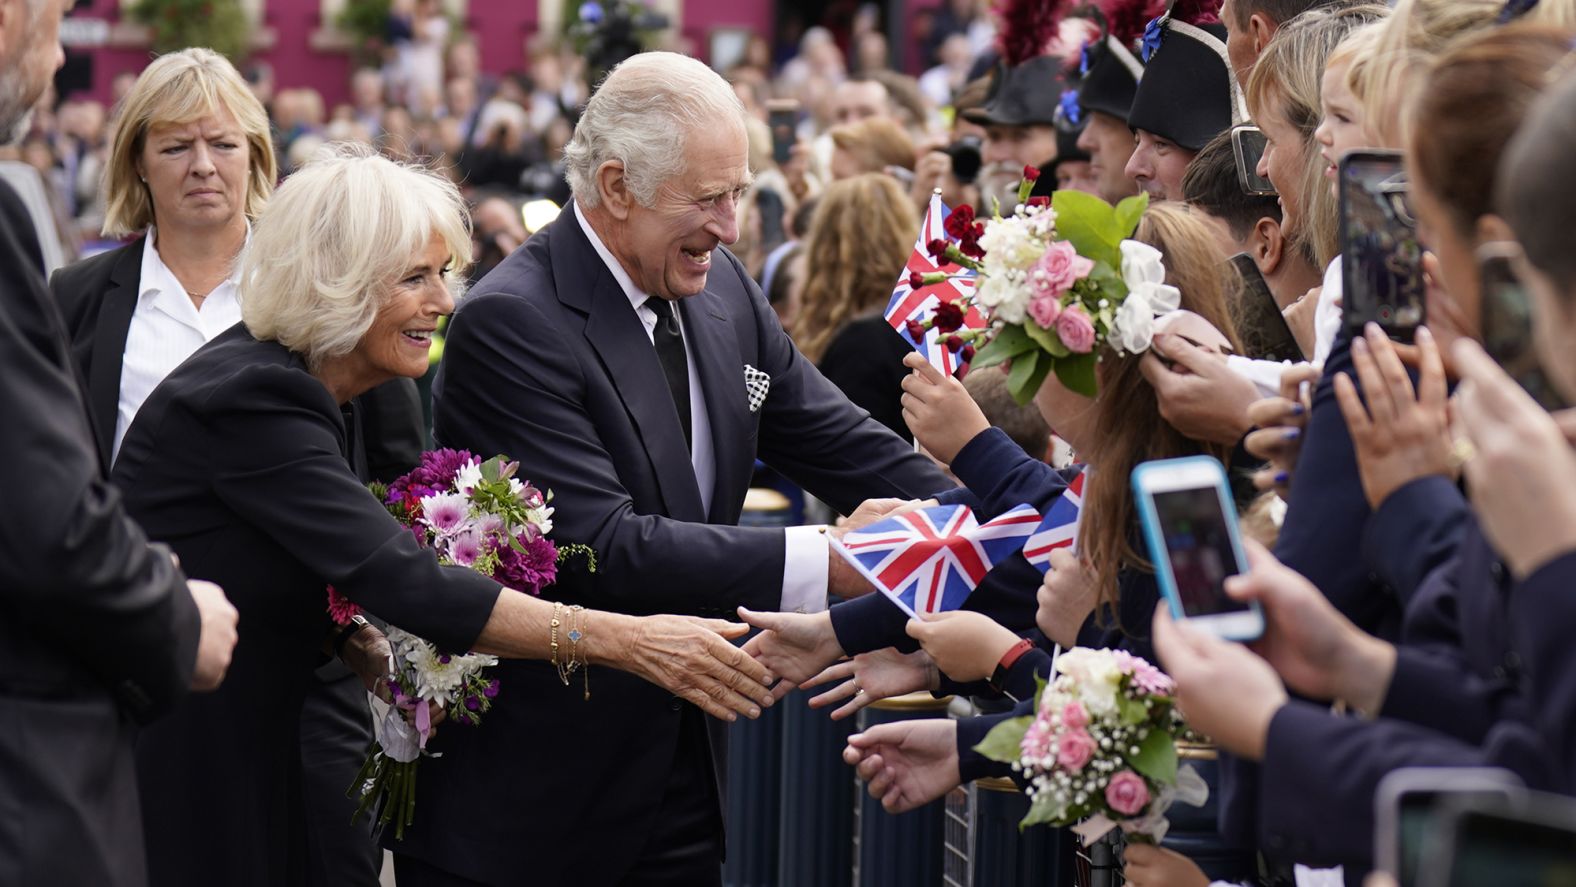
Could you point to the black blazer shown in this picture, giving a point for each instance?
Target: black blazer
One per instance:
(238, 461)
(97, 297)
(865, 360)
(546, 362)
(96, 627)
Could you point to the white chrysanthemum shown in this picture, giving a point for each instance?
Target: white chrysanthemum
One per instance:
(436, 679)
(469, 475)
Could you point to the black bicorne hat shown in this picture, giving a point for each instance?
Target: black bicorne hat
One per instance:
(1110, 75)
(1025, 94)
(1189, 94)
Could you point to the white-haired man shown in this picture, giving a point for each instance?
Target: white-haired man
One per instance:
(98, 630)
(631, 365)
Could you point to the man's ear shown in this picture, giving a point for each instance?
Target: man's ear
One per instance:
(612, 187)
(1261, 29)
(1267, 245)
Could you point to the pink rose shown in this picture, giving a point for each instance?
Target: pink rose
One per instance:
(1074, 716)
(1127, 793)
(1076, 329)
(1057, 270)
(1074, 750)
(1045, 308)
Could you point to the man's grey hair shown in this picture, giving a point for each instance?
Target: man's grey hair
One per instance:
(642, 117)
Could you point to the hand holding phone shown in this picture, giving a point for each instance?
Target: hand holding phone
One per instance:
(1190, 526)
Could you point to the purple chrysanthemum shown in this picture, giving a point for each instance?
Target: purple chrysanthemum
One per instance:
(530, 570)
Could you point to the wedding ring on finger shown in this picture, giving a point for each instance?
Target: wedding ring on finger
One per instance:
(1461, 452)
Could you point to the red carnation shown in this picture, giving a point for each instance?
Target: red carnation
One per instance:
(967, 353)
(948, 317)
(1030, 174)
(937, 249)
(954, 343)
(1040, 201)
(916, 279)
(915, 330)
(961, 222)
(972, 248)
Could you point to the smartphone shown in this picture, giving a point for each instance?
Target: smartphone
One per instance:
(1190, 526)
(1505, 319)
(1407, 804)
(782, 118)
(1527, 840)
(1247, 144)
(1381, 258)
(1260, 323)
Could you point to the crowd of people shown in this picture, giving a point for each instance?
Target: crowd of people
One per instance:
(219, 297)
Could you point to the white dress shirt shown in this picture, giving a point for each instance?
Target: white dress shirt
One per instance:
(805, 551)
(165, 329)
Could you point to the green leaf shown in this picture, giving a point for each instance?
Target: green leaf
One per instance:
(1046, 339)
(1129, 211)
(1028, 374)
(1009, 343)
(1076, 373)
(1089, 224)
(1004, 742)
(1043, 810)
(1131, 711)
(492, 468)
(1157, 758)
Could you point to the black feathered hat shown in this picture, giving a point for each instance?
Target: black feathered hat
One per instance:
(1189, 94)
(1110, 75)
(1024, 94)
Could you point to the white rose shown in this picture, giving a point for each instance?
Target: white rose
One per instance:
(1133, 327)
(1141, 263)
(1162, 298)
(1005, 301)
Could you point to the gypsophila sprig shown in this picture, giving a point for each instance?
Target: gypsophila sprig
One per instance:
(1100, 748)
(1058, 279)
(471, 514)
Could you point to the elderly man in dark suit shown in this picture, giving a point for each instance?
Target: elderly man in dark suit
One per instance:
(631, 365)
(97, 629)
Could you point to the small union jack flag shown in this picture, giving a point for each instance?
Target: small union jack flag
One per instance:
(930, 560)
(1060, 527)
(917, 304)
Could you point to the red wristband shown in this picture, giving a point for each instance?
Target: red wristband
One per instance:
(998, 679)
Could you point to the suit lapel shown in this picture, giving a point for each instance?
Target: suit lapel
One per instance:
(109, 346)
(721, 371)
(620, 341)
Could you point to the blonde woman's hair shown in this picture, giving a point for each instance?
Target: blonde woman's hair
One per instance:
(1358, 52)
(180, 88)
(336, 236)
(1285, 82)
(875, 144)
(1417, 31)
(858, 244)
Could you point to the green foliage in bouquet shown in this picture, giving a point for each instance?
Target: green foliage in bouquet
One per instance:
(219, 25)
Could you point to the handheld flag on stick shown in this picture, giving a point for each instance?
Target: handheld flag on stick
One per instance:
(911, 304)
(1060, 527)
(930, 560)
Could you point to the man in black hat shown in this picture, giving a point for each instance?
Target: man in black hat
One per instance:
(1110, 76)
(1188, 96)
(1020, 126)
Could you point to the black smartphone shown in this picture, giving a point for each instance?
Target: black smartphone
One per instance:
(1407, 807)
(1505, 320)
(1260, 323)
(782, 117)
(1527, 840)
(1247, 144)
(1381, 258)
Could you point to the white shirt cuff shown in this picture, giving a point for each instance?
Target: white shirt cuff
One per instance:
(804, 569)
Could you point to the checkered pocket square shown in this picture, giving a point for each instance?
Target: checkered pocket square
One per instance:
(756, 384)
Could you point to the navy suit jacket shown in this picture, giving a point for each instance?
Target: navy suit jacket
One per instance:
(546, 362)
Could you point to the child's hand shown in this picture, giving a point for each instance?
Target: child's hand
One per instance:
(939, 410)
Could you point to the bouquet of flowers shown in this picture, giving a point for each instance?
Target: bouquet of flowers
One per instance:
(472, 514)
(1100, 747)
(1057, 278)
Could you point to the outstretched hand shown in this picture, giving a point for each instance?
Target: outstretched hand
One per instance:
(939, 410)
(965, 645)
(907, 763)
(1401, 435)
(1223, 690)
(794, 646)
(691, 658)
(870, 677)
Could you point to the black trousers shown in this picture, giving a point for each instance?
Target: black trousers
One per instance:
(336, 727)
(685, 847)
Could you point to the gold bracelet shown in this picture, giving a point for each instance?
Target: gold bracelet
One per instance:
(576, 635)
(563, 674)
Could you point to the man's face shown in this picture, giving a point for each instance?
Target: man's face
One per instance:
(1158, 165)
(1076, 175)
(856, 100)
(1240, 50)
(30, 54)
(1004, 153)
(1109, 144)
(667, 248)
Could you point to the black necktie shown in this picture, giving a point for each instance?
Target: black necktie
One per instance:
(670, 351)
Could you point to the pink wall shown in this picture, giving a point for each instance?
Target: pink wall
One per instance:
(503, 26)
